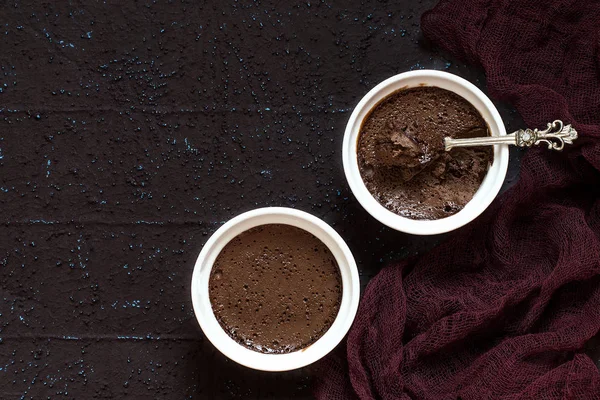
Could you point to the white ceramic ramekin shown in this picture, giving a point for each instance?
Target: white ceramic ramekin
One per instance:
(489, 187)
(275, 362)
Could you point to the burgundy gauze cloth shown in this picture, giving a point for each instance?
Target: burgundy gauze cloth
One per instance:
(504, 308)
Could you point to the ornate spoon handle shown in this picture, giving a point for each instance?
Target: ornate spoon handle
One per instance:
(555, 136)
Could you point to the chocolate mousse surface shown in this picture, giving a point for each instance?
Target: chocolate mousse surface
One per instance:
(401, 154)
(275, 288)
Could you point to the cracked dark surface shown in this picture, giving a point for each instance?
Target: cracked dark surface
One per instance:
(130, 133)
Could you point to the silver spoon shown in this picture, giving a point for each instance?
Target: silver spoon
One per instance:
(556, 135)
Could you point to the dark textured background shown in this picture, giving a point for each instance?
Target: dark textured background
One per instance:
(130, 133)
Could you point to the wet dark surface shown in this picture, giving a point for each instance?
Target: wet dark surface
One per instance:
(130, 133)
